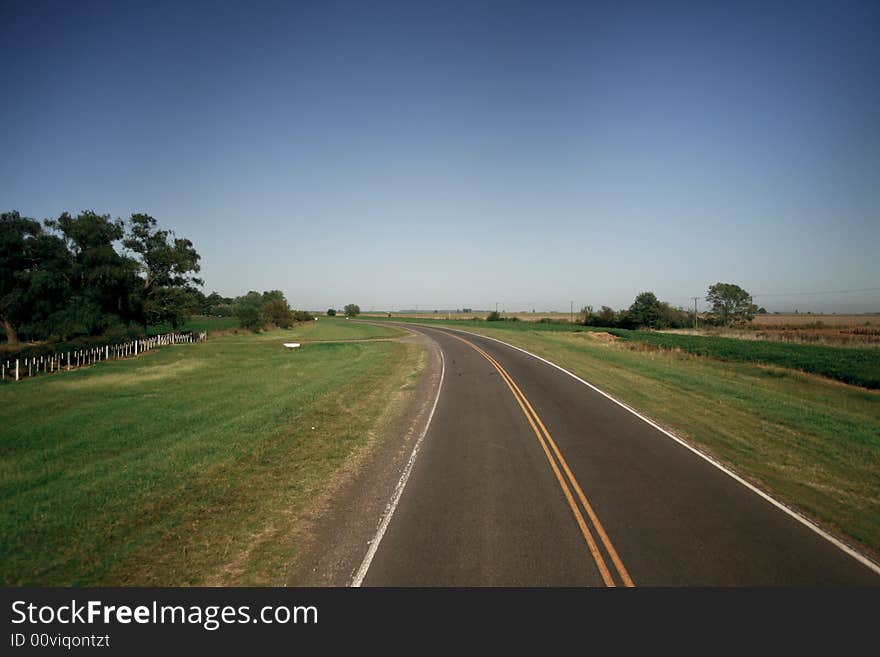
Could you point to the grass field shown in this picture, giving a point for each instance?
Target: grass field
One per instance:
(804, 319)
(769, 320)
(325, 328)
(818, 329)
(855, 365)
(191, 464)
(814, 443)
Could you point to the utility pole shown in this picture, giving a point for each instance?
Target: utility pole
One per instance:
(695, 311)
(496, 306)
(571, 312)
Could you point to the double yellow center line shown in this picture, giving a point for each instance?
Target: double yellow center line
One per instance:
(566, 482)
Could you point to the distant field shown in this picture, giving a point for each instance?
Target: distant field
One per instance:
(190, 464)
(523, 316)
(760, 321)
(814, 443)
(803, 319)
(856, 365)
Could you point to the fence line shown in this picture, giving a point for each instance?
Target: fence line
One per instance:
(18, 368)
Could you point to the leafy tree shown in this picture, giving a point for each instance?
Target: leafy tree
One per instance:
(68, 277)
(331, 312)
(213, 303)
(277, 312)
(671, 317)
(352, 310)
(587, 314)
(606, 317)
(101, 280)
(19, 261)
(730, 303)
(247, 310)
(645, 310)
(168, 265)
(493, 316)
(257, 311)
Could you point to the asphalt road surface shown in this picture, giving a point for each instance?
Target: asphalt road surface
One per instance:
(528, 477)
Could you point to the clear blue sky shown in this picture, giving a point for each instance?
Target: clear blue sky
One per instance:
(449, 154)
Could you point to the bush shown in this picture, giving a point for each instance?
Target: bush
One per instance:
(494, 316)
(302, 316)
(331, 312)
(277, 312)
(248, 315)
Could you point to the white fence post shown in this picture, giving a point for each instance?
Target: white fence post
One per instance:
(16, 369)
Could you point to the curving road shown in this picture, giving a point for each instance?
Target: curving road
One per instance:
(528, 477)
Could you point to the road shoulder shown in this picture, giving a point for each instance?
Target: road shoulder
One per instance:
(338, 529)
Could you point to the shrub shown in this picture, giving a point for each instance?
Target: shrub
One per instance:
(277, 312)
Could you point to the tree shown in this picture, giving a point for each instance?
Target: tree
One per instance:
(730, 303)
(247, 310)
(275, 310)
(352, 310)
(257, 311)
(493, 316)
(587, 314)
(101, 281)
(673, 317)
(168, 265)
(68, 277)
(17, 262)
(215, 304)
(645, 310)
(331, 312)
(606, 316)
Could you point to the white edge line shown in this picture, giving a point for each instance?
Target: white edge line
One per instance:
(855, 554)
(401, 484)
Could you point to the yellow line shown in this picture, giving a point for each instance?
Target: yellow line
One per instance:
(529, 412)
(585, 530)
(606, 541)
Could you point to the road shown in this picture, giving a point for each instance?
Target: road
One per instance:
(527, 477)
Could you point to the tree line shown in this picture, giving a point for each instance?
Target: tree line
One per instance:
(90, 275)
(728, 304)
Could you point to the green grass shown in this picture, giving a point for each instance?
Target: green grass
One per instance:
(339, 328)
(857, 366)
(814, 443)
(191, 464)
(326, 328)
